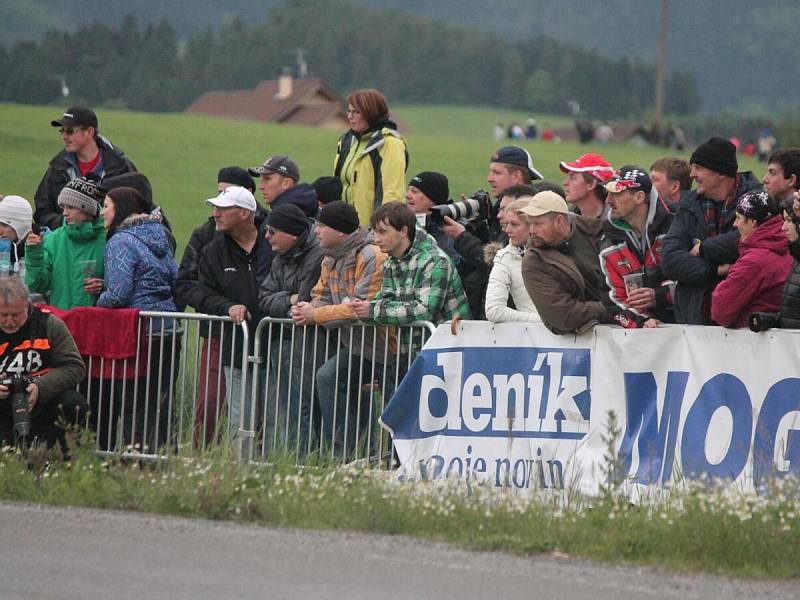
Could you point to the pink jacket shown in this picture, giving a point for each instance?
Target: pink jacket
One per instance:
(756, 280)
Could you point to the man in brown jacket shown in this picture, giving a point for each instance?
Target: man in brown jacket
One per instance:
(561, 269)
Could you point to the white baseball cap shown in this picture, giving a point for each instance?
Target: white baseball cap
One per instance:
(234, 196)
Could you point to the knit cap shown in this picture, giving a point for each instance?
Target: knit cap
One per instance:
(84, 194)
(434, 185)
(339, 216)
(756, 205)
(16, 212)
(288, 218)
(717, 154)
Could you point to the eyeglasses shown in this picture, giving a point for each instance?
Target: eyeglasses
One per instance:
(69, 130)
(271, 231)
(353, 111)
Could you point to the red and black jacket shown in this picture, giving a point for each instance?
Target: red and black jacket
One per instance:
(623, 252)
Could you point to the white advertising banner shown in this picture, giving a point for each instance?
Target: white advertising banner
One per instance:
(515, 406)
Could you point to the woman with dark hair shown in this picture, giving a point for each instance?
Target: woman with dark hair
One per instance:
(140, 273)
(139, 265)
(371, 157)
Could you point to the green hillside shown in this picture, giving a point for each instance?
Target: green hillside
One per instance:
(181, 154)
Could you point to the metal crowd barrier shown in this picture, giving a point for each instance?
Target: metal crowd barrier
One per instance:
(300, 393)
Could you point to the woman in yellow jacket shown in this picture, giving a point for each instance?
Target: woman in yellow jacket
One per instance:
(371, 158)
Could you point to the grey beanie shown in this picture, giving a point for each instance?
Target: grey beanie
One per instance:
(83, 194)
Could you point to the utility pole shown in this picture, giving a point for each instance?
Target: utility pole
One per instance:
(661, 66)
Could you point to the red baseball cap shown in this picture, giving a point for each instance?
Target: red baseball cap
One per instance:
(593, 164)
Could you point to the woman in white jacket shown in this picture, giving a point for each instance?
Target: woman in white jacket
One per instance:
(505, 278)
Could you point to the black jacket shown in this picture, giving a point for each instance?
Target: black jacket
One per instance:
(63, 168)
(295, 272)
(187, 290)
(227, 275)
(697, 275)
(305, 198)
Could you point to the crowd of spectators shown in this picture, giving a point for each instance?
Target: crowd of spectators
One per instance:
(630, 246)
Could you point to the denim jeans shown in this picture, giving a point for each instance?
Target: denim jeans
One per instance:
(349, 395)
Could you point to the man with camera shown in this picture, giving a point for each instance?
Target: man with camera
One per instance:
(509, 166)
(40, 367)
(428, 195)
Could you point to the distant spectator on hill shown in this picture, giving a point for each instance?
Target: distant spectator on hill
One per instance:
(702, 242)
(67, 264)
(584, 184)
(531, 131)
(756, 281)
(672, 179)
(782, 178)
(765, 144)
(85, 151)
(371, 157)
(604, 133)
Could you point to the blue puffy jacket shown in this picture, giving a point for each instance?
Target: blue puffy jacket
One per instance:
(140, 267)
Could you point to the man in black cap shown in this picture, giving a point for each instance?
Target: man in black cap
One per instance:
(702, 242)
(351, 270)
(279, 182)
(509, 166)
(85, 151)
(292, 277)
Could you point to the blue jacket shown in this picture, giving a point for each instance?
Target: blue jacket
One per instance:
(139, 265)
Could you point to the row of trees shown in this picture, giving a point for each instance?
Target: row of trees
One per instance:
(409, 58)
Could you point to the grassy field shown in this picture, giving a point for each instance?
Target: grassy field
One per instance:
(181, 154)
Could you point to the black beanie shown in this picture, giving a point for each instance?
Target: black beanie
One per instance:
(329, 189)
(433, 185)
(339, 216)
(237, 176)
(717, 154)
(757, 205)
(288, 218)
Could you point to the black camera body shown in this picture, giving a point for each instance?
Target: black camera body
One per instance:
(475, 208)
(761, 321)
(18, 395)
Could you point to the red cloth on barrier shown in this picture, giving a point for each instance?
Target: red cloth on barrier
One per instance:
(105, 333)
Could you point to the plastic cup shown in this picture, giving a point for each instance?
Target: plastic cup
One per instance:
(89, 269)
(633, 281)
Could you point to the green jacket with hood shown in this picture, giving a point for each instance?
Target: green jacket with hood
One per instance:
(55, 267)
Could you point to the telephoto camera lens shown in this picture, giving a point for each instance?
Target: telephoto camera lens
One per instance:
(19, 406)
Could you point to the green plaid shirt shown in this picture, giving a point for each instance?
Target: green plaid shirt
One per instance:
(421, 285)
